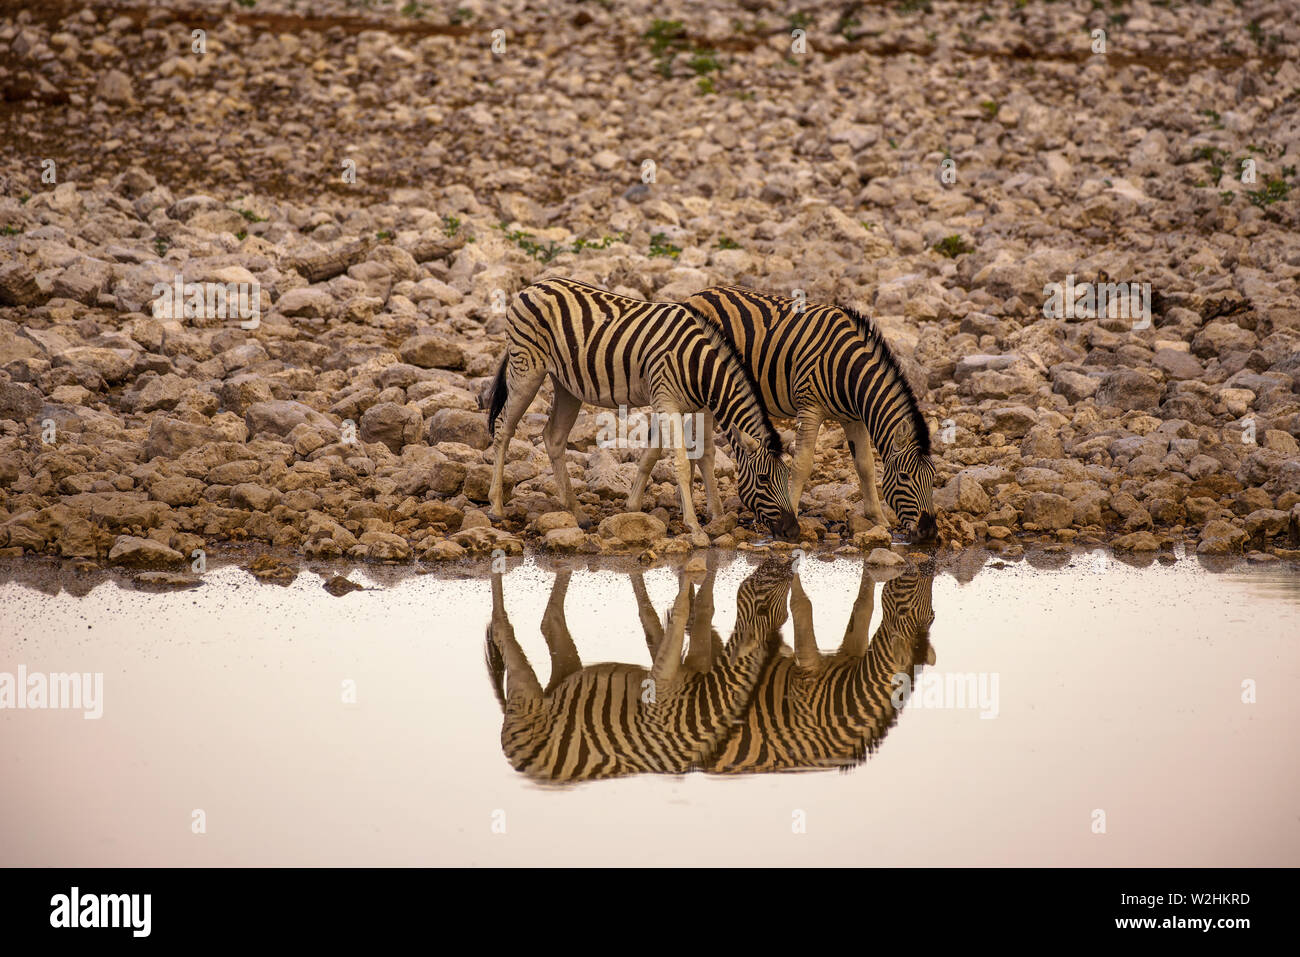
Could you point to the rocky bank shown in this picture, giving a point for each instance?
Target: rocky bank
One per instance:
(386, 180)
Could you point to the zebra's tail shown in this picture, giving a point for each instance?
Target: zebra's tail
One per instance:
(497, 397)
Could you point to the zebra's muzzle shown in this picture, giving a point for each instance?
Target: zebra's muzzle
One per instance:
(787, 527)
(927, 529)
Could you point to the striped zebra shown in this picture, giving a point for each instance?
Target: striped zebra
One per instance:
(813, 711)
(609, 720)
(614, 351)
(817, 362)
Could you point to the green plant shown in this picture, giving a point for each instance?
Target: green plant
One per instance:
(242, 235)
(385, 235)
(161, 244)
(412, 9)
(528, 244)
(1275, 190)
(659, 246)
(704, 86)
(726, 242)
(9, 230)
(665, 35)
(990, 109)
(251, 216)
(953, 246)
(667, 38)
(704, 61)
(450, 224)
(604, 243)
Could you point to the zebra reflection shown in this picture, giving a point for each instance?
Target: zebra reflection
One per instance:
(752, 705)
(811, 711)
(612, 719)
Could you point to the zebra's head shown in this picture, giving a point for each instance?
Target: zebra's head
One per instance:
(908, 482)
(763, 484)
(761, 607)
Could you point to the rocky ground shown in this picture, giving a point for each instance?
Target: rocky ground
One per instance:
(388, 179)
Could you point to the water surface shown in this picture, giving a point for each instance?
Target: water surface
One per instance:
(368, 728)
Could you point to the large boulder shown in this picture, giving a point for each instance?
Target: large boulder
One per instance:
(633, 528)
(1129, 389)
(1048, 510)
(395, 425)
(280, 416)
(459, 425)
(143, 553)
(432, 352)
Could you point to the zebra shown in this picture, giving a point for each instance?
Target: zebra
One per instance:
(614, 351)
(817, 362)
(610, 720)
(814, 711)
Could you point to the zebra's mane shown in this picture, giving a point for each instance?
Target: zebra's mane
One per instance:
(871, 332)
(720, 341)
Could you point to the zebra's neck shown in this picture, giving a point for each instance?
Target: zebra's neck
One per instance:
(716, 380)
(875, 394)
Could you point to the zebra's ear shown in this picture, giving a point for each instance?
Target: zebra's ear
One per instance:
(747, 442)
(902, 436)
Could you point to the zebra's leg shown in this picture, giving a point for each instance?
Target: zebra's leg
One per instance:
(668, 660)
(705, 464)
(654, 632)
(698, 536)
(857, 632)
(564, 653)
(809, 423)
(806, 655)
(668, 407)
(564, 412)
(520, 680)
(520, 393)
(643, 469)
(865, 463)
(699, 656)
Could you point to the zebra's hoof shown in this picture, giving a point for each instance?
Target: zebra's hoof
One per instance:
(700, 540)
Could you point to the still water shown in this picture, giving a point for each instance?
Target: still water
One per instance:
(1071, 710)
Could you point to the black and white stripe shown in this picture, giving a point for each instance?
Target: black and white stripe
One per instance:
(816, 362)
(612, 351)
(812, 711)
(612, 719)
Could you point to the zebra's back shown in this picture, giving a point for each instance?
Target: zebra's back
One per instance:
(783, 341)
(602, 347)
(609, 720)
(836, 713)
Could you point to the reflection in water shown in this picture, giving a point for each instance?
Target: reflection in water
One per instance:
(812, 710)
(751, 705)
